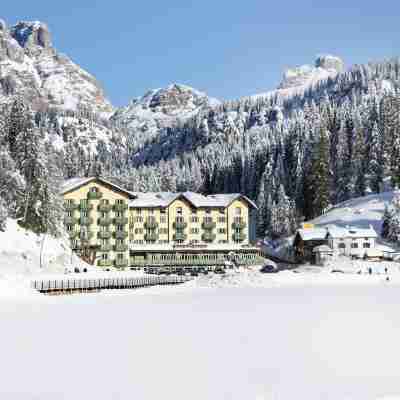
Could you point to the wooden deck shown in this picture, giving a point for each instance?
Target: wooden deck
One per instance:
(69, 285)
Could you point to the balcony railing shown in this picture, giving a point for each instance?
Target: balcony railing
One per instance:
(104, 235)
(151, 224)
(121, 262)
(238, 225)
(104, 207)
(104, 263)
(179, 225)
(86, 221)
(106, 247)
(151, 237)
(85, 206)
(70, 206)
(73, 234)
(94, 195)
(208, 225)
(120, 207)
(208, 237)
(71, 220)
(238, 237)
(104, 221)
(120, 234)
(86, 236)
(179, 236)
(120, 220)
(121, 247)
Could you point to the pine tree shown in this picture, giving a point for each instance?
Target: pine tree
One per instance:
(3, 215)
(386, 221)
(375, 168)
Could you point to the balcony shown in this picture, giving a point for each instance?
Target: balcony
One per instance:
(85, 206)
(179, 225)
(104, 208)
(120, 234)
(73, 234)
(208, 225)
(151, 224)
(121, 262)
(94, 195)
(120, 220)
(104, 263)
(106, 247)
(104, 221)
(121, 247)
(71, 220)
(86, 221)
(70, 206)
(86, 236)
(120, 207)
(179, 236)
(104, 235)
(238, 237)
(151, 237)
(208, 237)
(238, 225)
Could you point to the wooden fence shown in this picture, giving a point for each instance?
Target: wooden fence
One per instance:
(71, 285)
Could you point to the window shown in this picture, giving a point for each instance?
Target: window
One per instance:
(221, 219)
(179, 210)
(120, 201)
(366, 245)
(208, 210)
(354, 245)
(222, 230)
(194, 230)
(104, 202)
(207, 219)
(69, 228)
(118, 214)
(103, 215)
(84, 202)
(120, 241)
(84, 213)
(163, 219)
(151, 211)
(94, 189)
(238, 211)
(222, 211)
(195, 219)
(69, 213)
(163, 231)
(70, 201)
(341, 246)
(139, 219)
(104, 256)
(194, 211)
(163, 211)
(120, 227)
(180, 219)
(139, 230)
(104, 242)
(120, 256)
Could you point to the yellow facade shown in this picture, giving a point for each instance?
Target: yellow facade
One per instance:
(112, 225)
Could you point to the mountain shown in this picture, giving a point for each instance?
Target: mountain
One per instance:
(160, 109)
(32, 67)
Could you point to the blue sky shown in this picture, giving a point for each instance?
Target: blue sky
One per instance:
(227, 48)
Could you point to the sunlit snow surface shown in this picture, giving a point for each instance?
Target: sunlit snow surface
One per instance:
(307, 335)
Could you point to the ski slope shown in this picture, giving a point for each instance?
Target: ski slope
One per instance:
(360, 212)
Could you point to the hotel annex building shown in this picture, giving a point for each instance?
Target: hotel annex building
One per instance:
(124, 229)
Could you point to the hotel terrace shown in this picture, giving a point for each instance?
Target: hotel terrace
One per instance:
(114, 228)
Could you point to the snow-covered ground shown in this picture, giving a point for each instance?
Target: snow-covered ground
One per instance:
(246, 335)
(24, 254)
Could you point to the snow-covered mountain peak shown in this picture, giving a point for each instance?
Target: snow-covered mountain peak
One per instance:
(325, 66)
(30, 66)
(173, 100)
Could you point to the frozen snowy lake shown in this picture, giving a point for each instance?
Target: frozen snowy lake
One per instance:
(292, 341)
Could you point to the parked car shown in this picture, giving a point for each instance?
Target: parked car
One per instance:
(268, 269)
(219, 271)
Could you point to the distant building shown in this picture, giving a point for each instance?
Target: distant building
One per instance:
(347, 241)
(114, 227)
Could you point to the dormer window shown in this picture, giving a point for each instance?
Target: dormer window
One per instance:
(94, 189)
(238, 211)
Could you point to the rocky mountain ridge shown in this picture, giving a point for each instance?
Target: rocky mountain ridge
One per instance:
(32, 67)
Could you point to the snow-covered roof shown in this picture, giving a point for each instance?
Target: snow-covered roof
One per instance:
(351, 232)
(163, 199)
(74, 183)
(312, 233)
(337, 232)
(323, 248)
